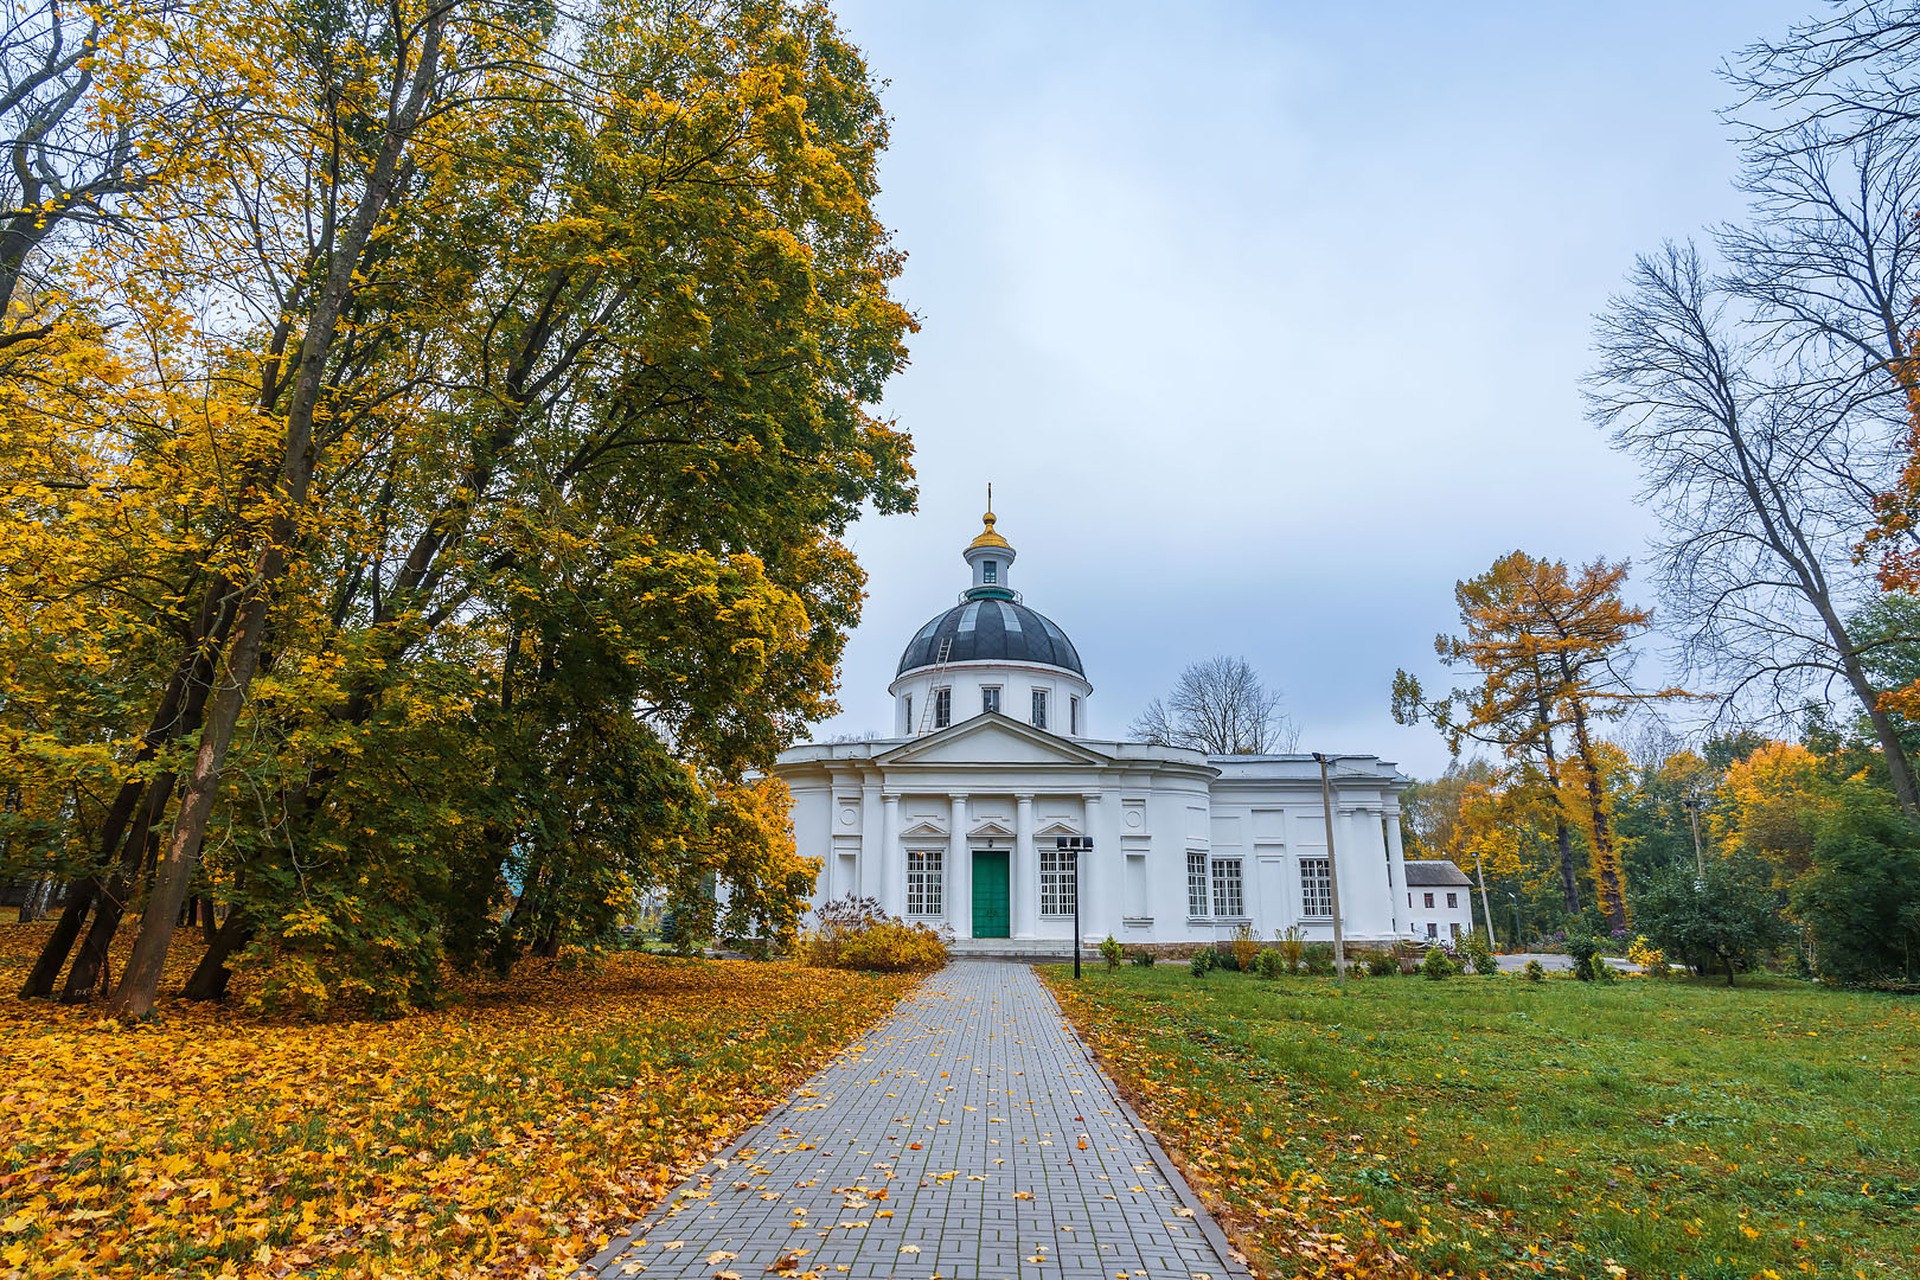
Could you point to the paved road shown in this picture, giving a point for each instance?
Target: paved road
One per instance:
(1554, 962)
(969, 1136)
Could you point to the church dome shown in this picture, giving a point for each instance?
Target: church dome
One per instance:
(988, 629)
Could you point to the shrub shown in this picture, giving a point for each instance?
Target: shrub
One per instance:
(1725, 916)
(1317, 958)
(1145, 959)
(1202, 963)
(854, 933)
(1534, 972)
(1112, 952)
(1436, 965)
(1585, 950)
(1269, 963)
(1650, 958)
(1292, 945)
(1862, 900)
(1245, 946)
(1478, 954)
(1382, 964)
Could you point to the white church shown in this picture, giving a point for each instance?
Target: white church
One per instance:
(956, 819)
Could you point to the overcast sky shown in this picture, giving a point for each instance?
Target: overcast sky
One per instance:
(1266, 321)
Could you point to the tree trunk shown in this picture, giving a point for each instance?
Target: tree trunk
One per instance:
(140, 984)
(1562, 838)
(1606, 861)
(53, 955)
(88, 978)
(211, 975)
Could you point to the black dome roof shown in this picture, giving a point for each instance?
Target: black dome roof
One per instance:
(991, 630)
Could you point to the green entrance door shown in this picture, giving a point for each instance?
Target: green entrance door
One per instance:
(990, 915)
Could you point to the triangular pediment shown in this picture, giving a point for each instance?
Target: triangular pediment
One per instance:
(1055, 829)
(923, 829)
(992, 739)
(991, 829)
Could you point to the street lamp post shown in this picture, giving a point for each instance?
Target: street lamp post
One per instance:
(1518, 945)
(1076, 845)
(1333, 874)
(1691, 804)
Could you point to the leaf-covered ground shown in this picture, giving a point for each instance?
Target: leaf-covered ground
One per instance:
(1490, 1126)
(507, 1135)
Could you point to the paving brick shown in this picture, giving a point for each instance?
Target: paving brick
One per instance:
(952, 1130)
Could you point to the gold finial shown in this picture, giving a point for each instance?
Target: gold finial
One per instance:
(989, 538)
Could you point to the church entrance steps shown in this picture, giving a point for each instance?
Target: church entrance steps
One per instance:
(1029, 949)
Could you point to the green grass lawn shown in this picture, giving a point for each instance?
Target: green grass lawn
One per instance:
(1493, 1125)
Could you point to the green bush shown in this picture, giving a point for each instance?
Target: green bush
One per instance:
(1534, 972)
(1145, 959)
(854, 933)
(1436, 965)
(1585, 950)
(1317, 958)
(1112, 952)
(1478, 954)
(1269, 963)
(1382, 964)
(1204, 961)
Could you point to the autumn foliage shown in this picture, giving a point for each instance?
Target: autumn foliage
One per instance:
(506, 1134)
(855, 933)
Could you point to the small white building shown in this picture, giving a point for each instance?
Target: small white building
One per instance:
(1439, 900)
(958, 816)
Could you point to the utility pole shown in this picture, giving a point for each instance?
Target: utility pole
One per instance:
(1333, 875)
(1485, 910)
(1692, 805)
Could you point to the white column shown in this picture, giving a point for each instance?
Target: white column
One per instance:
(959, 870)
(872, 865)
(1026, 871)
(1397, 871)
(893, 860)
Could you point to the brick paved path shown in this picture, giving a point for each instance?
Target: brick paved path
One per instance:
(969, 1135)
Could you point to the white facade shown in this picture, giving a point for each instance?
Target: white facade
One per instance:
(958, 824)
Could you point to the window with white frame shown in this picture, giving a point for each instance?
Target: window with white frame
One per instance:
(1433, 930)
(1316, 888)
(1426, 900)
(942, 708)
(1453, 900)
(1039, 708)
(1196, 883)
(1056, 882)
(1455, 926)
(990, 699)
(989, 571)
(923, 882)
(1073, 713)
(1228, 900)
(909, 701)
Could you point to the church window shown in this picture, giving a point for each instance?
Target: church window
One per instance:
(1056, 882)
(989, 571)
(1073, 714)
(990, 700)
(923, 882)
(1227, 898)
(1196, 883)
(1316, 888)
(1039, 708)
(942, 708)
(909, 713)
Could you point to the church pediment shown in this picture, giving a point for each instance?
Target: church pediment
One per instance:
(1055, 829)
(992, 739)
(992, 829)
(923, 830)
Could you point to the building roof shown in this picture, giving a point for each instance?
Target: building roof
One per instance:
(1426, 873)
(988, 630)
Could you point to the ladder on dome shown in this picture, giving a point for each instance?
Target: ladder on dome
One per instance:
(933, 690)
